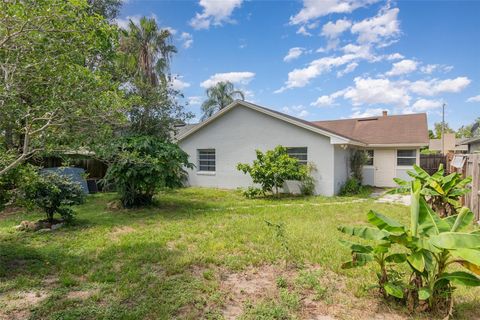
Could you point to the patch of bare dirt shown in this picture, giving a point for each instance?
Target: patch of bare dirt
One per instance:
(117, 232)
(18, 305)
(82, 294)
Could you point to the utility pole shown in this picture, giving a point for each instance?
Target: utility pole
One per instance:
(443, 129)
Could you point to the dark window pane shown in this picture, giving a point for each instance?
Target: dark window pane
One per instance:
(206, 160)
(370, 158)
(406, 161)
(406, 153)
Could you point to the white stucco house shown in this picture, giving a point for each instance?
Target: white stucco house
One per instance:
(233, 134)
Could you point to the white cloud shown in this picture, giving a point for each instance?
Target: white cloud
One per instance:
(178, 84)
(214, 12)
(297, 111)
(234, 77)
(435, 86)
(430, 68)
(377, 91)
(369, 112)
(293, 53)
(402, 67)
(301, 77)
(313, 9)
(378, 29)
(423, 105)
(303, 31)
(187, 39)
(349, 68)
(394, 56)
(474, 99)
(194, 100)
(323, 101)
(333, 30)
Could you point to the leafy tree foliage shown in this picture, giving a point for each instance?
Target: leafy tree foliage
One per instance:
(272, 168)
(145, 55)
(442, 193)
(54, 193)
(107, 8)
(140, 165)
(438, 129)
(429, 246)
(218, 97)
(56, 90)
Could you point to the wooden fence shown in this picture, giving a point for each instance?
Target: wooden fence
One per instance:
(430, 162)
(472, 169)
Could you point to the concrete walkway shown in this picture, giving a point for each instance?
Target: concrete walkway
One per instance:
(382, 197)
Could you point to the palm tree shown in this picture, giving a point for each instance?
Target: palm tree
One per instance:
(147, 50)
(218, 97)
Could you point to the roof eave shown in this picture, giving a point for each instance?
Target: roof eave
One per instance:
(383, 145)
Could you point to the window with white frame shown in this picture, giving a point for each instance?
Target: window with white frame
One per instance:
(370, 155)
(406, 157)
(206, 160)
(299, 153)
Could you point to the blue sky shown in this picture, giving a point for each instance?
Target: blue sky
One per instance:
(328, 59)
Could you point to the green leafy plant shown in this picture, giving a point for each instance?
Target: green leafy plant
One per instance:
(252, 192)
(351, 187)
(13, 182)
(307, 186)
(54, 193)
(429, 246)
(441, 192)
(282, 237)
(140, 165)
(358, 158)
(272, 168)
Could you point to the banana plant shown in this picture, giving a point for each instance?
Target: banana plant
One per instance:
(441, 192)
(429, 246)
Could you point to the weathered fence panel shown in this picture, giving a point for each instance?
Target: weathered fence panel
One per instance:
(472, 169)
(430, 162)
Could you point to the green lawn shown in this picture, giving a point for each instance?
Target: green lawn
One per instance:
(198, 253)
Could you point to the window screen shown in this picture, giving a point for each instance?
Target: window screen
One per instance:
(406, 157)
(299, 153)
(206, 160)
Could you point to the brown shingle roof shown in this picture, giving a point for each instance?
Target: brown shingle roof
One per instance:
(397, 129)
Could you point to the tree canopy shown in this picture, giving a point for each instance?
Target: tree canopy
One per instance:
(218, 97)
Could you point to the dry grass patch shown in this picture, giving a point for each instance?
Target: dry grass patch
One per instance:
(18, 305)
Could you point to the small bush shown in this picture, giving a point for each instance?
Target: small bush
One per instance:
(54, 193)
(13, 181)
(351, 187)
(252, 192)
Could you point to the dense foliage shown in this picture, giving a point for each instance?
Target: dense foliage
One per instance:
(351, 187)
(442, 193)
(140, 165)
(358, 158)
(56, 88)
(428, 247)
(54, 193)
(218, 97)
(272, 168)
(13, 182)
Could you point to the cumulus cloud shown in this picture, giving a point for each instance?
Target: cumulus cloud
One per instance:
(333, 29)
(474, 99)
(214, 12)
(293, 53)
(234, 77)
(394, 56)
(435, 86)
(187, 39)
(194, 100)
(313, 9)
(384, 26)
(303, 31)
(423, 105)
(178, 84)
(402, 67)
(430, 68)
(377, 91)
(297, 111)
(369, 112)
(349, 68)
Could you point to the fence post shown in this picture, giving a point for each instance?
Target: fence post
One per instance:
(475, 186)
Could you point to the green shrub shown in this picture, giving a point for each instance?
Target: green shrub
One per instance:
(358, 158)
(13, 182)
(307, 187)
(351, 187)
(54, 193)
(252, 192)
(428, 247)
(272, 168)
(141, 165)
(442, 193)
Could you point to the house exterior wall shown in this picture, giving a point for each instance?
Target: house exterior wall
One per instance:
(236, 135)
(474, 147)
(341, 167)
(399, 171)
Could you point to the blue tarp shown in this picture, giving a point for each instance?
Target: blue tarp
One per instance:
(74, 174)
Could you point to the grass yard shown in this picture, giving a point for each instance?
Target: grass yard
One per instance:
(197, 254)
